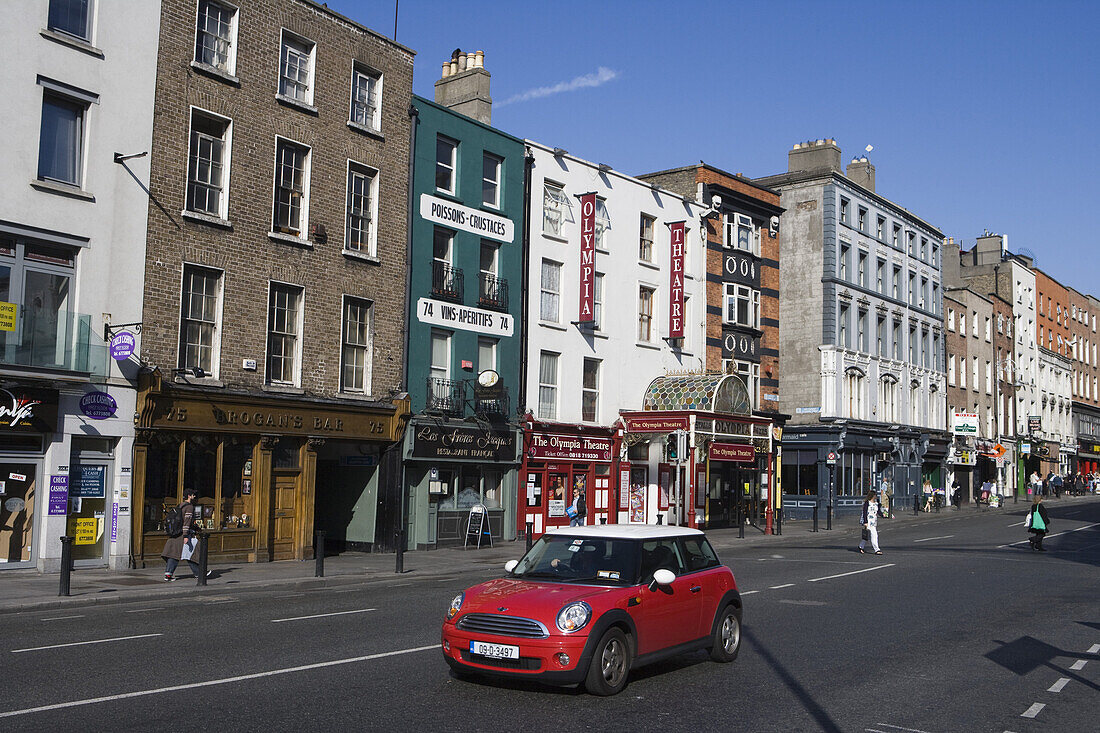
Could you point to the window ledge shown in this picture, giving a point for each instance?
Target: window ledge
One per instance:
(282, 389)
(555, 238)
(650, 265)
(353, 255)
(207, 219)
(292, 102)
(71, 42)
(647, 345)
(215, 72)
(555, 326)
(367, 130)
(289, 239)
(199, 381)
(357, 397)
(63, 189)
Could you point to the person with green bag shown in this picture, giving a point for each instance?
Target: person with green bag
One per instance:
(1038, 523)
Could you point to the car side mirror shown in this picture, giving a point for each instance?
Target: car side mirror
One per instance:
(510, 565)
(662, 577)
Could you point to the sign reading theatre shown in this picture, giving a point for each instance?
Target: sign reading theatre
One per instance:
(457, 216)
(450, 315)
(676, 281)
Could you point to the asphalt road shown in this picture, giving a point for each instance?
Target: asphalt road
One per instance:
(957, 627)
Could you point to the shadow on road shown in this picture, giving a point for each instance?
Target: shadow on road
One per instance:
(1026, 654)
(803, 696)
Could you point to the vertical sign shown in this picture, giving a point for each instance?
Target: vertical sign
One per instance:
(676, 282)
(59, 496)
(588, 258)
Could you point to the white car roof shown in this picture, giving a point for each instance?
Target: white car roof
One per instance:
(627, 531)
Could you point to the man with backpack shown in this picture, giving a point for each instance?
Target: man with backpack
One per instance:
(178, 524)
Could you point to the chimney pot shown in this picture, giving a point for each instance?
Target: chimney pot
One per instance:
(462, 62)
(479, 59)
(454, 67)
(446, 69)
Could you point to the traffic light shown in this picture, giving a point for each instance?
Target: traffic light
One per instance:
(672, 445)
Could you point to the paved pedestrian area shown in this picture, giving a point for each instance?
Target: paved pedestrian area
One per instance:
(22, 590)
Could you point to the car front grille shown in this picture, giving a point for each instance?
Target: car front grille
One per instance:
(491, 623)
(529, 664)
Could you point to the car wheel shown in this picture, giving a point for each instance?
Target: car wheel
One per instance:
(610, 664)
(727, 635)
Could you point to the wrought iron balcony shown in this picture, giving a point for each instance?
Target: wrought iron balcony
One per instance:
(446, 281)
(44, 338)
(495, 407)
(493, 292)
(446, 395)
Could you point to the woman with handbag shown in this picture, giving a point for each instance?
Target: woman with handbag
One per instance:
(1038, 523)
(869, 521)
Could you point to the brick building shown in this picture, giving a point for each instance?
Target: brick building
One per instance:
(274, 308)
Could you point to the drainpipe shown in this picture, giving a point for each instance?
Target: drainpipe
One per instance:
(528, 164)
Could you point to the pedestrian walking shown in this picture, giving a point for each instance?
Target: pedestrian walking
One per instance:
(956, 495)
(1038, 524)
(184, 544)
(578, 510)
(1056, 484)
(885, 495)
(927, 490)
(1035, 483)
(868, 520)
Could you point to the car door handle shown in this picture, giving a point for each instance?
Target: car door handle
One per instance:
(696, 588)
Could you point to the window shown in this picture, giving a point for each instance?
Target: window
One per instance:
(742, 305)
(911, 241)
(549, 309)
(216, 35)
(361, 196)
(645, 314)
(842, 328)
(603, 223)
(923, 248)
(988, 329)
(880, 228)
(296, 69)
(923, 301)
(912, 288)
(844, 211)
(645, 238)
(896, 283)
(441, 245)
(862, 221)
(853, 393)
(553, 208)
(548, 385)
(989, 377)
(445, 149)
(880, 336)
(913, 355)
(845, 252)
(200, 314)
(357, 346)
(291, 187)
(490, 179)
(590, 391)
(962, 324)
(925, 348)
(962, 372)
(935, 255)
(284, 325)
(895, 236)
(597, 301)
(861, 330)
(951, 370)
(72, 17)
(487, 263)
(950, 319)
(935, 306)
(861, 272)
(486, 353)
(880, 277)
(366, 97)
(61, 141)
(207, 176)
(974, 382)
(888, 399)
(440, 367)
(895, 340)
(750, 375)
(974, 322)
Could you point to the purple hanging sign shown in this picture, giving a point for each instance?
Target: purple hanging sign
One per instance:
(122, 345)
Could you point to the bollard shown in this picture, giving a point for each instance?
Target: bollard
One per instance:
(530, 531)
(319, 553)
(815, 518)
(66, 564)
(937, 505)
(829, 517)
(399, 546)
(660, 519)
(204, 541)
(779, 521)
(603, 520)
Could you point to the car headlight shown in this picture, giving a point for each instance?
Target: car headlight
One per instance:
(456, 604)
(574, 617)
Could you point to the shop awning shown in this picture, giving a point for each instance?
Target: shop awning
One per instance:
(708, 392)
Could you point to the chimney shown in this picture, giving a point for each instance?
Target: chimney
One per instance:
(862, 172)
(464, 86)
(814, 154)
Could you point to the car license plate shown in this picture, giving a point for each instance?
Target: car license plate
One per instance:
(496, 651)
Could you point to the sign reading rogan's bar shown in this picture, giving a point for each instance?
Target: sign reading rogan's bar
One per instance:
(586, 312)
(732, 452)
(656, 424)
(676, 281)
(457, 216)
(546, 446)
(432, 441)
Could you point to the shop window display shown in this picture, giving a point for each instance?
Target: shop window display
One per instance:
(220, 471)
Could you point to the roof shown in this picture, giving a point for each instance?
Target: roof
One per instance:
(711, 392)
(627, 531)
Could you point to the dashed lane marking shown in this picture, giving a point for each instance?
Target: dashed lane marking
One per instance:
(1035, 709)
(1057, 686)
(1049, 536)
(777, 587)
(1078, 665)
(929, 539)
(854, 572)
(1095, 648)
(290, 595)
(749, 592)
(83, 643)
(898, 727)
(321, 615)
(210, 683)
(143, 610)
(60, 618)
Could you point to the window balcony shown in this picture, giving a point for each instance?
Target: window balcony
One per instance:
(446, 281)
(497, 407)
(447, 396)
(53, 340)
(493, 292)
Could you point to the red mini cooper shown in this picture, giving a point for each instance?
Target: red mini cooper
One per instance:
(588, 604)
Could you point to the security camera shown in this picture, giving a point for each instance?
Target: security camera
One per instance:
(715, 201)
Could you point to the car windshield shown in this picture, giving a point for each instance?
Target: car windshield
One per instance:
(569, 559)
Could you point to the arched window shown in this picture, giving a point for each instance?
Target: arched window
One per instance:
(854, 385)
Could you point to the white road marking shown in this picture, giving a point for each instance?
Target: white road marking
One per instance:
(1057, 686)
(1095, 648)
(82, 643)
(320, 615)
(777, 587)
(210, 683)
(290, 595)
(1035, 709)
(1078, 665)
(1017, 524)
(929, 539)
(749, 592)
(1069, 531)
(854, 572)
(60, 618)
(143, 610)
(898, 727)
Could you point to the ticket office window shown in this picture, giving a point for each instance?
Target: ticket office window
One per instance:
(90, 494)
(220, 470)
(551, 488)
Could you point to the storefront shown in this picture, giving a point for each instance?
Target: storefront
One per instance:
(452, 467)
(268, 471)
(560, 457)
(29, 420)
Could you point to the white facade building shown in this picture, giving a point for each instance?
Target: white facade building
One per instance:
(78, 90)
(1055, 388)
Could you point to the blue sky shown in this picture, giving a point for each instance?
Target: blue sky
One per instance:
(982, 114)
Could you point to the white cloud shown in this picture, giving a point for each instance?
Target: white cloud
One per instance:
(601, 76)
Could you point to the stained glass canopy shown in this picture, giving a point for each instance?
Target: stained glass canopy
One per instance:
(710, 392)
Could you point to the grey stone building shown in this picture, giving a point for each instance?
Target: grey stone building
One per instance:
(861, 336)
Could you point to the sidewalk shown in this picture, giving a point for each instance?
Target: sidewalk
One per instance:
(24, 590)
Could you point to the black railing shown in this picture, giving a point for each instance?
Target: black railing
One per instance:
(446, 281)
(446, 395)
(495, 406)
(492, 292)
